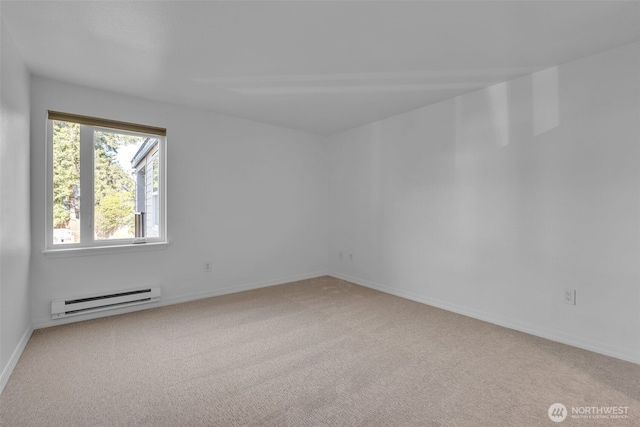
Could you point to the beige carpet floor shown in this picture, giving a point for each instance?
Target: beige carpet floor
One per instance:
(320, 352)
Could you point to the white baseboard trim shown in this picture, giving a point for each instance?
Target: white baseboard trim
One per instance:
(618, 353)
(48, 322)
(8, 370)
(241, 288)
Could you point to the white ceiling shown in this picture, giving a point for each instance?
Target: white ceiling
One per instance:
(322, 67)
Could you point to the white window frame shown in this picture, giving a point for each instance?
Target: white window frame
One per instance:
(87, 214)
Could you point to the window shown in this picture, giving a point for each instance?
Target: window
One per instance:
(106, 182)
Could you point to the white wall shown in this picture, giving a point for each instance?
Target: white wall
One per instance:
(15, 302)
(491, 203)
(250, 197)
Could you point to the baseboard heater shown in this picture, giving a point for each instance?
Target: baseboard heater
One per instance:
(83, 305)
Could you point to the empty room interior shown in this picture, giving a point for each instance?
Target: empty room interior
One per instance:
(418, 213)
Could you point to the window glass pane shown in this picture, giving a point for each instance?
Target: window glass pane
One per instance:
(156, 204)
(66, 182)
(114, 184)
(153, 185)
(155, 175)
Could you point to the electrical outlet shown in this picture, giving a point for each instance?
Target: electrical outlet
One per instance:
(569, 296)
(207, 266)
